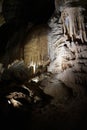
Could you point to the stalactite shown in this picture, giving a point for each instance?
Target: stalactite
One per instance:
(72, 17)
(73, 23)
(35, 48)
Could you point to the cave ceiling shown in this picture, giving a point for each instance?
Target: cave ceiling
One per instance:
(35, 11)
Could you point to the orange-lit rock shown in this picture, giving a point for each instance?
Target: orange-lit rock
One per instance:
(36, 47)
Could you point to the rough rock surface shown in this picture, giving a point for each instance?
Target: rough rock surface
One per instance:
(68, 58)
(56, 99)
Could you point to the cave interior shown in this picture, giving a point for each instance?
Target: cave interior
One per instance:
(43, 64)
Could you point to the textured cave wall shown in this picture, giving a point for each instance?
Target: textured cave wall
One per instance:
(61, 31)
(70, 21)
(2, 20)
(68, 45)
(65, 83)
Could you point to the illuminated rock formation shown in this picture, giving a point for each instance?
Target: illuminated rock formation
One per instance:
(73, 23)
(72, 18)
(36, 47)
(66, 51)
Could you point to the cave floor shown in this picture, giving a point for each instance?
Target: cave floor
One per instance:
(66, 109)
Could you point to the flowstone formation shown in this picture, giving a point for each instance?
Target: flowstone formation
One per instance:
(68, 44)
(73, 23)
(36, 47)
(46, 87)
(73, 18)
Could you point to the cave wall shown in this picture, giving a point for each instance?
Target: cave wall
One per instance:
(57, 32)
(65, 78)
(68, 52)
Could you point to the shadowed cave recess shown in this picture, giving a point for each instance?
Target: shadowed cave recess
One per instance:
(43, 64)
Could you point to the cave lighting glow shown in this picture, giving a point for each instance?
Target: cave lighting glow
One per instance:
(32, 64)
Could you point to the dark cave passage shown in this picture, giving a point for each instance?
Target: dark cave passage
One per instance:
(28, 10)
